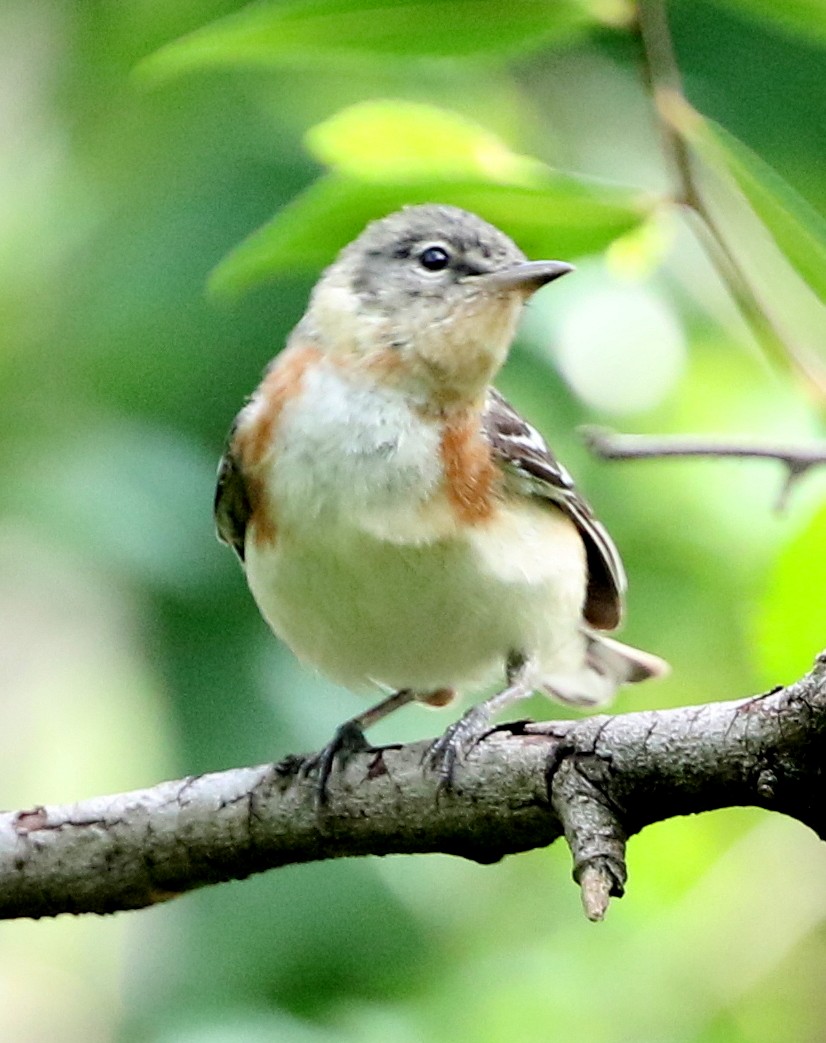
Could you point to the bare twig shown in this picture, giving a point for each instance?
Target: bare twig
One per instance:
(596, 781)
(595, 885)
(663, 78)
(797, 460)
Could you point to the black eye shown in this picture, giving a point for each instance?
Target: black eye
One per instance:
(434, 258)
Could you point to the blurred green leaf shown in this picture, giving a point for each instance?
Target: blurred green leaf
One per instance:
(565, 217)
(805, 18)
(388, 154)
(324, 31)
(797, 228)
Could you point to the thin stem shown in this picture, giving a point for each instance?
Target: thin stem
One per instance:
(662, 75)
(796, 459)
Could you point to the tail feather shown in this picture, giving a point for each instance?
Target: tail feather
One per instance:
(608, 664)
(628, 665)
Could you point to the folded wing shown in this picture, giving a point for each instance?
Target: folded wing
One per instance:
(532, 469)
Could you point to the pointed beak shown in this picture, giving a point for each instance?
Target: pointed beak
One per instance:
(528, 276)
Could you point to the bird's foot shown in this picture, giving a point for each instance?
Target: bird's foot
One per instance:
(457, 741)
(348, 740)
(461, 737)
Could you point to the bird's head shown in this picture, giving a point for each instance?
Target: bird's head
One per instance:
(431, 296)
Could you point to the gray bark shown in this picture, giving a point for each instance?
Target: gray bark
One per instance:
(596, 781)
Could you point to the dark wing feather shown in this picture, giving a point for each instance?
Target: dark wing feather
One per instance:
(232, 504)
(534, 470)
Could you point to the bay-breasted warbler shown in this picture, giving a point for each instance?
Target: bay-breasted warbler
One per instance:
(401, 527)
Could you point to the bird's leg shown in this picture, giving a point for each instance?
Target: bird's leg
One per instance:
(349, 739)
(474, 725)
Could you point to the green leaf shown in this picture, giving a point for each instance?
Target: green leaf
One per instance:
(564, 217)
(806, 18)
(326, 31)
(400, 140)
(388, 154)
(796, 227)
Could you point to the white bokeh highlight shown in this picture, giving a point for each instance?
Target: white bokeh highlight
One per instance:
(618, 344)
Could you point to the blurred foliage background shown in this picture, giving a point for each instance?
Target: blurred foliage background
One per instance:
(130, 168)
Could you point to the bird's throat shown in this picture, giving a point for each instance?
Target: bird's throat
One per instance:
(459, 358)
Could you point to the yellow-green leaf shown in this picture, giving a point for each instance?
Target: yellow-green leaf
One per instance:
(400, 140)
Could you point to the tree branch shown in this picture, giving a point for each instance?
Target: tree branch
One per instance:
(796, 459)
(596, 781)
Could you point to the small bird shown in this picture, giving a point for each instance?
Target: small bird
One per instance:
(401, 527)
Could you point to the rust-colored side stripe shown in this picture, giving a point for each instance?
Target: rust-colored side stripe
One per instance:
(253, 440)
(470, 473)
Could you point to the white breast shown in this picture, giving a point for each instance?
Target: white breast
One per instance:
(371, 580)
(442, 613)
(353, 454)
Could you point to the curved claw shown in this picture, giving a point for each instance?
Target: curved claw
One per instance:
(474, 725)
(457, 741)
(347, 740)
